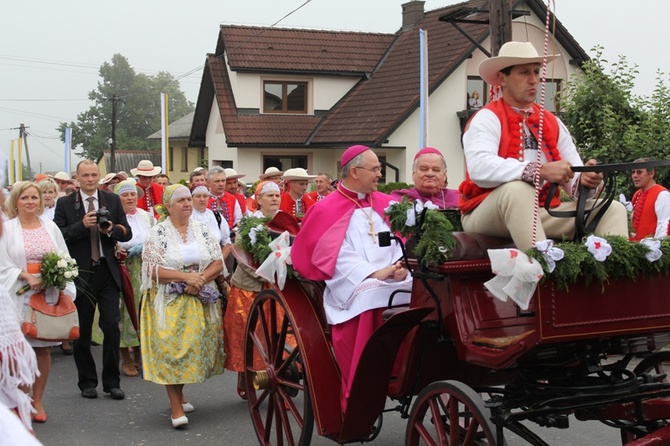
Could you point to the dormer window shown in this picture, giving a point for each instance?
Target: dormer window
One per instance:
(284, 97)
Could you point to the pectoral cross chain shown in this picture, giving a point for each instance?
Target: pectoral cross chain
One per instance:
(372, 233)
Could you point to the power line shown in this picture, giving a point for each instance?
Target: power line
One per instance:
(43, 100)
(35, 138)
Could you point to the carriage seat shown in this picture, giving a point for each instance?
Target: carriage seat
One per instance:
(474, 246)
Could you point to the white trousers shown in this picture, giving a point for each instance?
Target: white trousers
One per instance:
(508, 212)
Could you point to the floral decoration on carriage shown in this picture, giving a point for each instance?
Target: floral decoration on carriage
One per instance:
(594, 259)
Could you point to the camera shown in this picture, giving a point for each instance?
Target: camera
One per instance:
(102, 219)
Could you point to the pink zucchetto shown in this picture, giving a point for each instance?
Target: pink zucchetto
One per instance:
(426, 151)
(351, 153)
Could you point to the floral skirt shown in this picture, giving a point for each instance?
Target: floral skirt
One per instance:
(189, 349)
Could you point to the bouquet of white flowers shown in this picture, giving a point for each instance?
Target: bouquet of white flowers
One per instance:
(58, 268)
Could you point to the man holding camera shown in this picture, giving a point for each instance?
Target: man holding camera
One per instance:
(92, 221)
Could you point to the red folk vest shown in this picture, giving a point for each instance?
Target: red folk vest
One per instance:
(225, 205)
(644, 213)
(288, 204)
(153, 195)
(511, 146)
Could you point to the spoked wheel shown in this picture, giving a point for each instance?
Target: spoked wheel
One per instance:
(449, 413)
(278, 394)
(657, 365)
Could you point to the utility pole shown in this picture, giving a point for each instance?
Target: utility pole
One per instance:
(22, 135)
(500, 21)
(112, 143)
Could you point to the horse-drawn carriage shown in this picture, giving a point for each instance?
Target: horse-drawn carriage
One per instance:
(462, 366)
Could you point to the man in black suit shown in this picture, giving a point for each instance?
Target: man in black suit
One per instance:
(91, 243)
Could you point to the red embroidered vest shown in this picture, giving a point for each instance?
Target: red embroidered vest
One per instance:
(153, 195)
(512, 146)
(225, 205)
(644, 212)
(288, 204)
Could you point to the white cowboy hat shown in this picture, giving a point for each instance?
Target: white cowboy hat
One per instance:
(146, 168)
(271, 172)
(297, 173)
(107, 178)
(231, 174)
(511, 53)
(61, 176)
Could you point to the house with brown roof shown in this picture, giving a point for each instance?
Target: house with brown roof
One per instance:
(298, 98)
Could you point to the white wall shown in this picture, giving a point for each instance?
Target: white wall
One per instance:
(444, 131)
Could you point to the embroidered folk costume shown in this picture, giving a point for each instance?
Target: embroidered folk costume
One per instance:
(181, 337)
(651, 213)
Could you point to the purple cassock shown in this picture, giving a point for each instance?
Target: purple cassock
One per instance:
(444, 199)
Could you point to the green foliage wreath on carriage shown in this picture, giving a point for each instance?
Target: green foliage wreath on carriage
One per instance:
(627, 259)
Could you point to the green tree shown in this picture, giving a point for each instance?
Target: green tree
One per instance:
(137, 109)
(613, 125)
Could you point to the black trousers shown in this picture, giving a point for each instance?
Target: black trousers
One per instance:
(98, 287)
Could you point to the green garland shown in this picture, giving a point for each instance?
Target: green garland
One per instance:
(437, 241)
(627, 261)
(259, 250)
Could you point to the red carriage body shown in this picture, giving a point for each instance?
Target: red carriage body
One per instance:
(472, 341)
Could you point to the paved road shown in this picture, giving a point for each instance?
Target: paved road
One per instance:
(221, 417)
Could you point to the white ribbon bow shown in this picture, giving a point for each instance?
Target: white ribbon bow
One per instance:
(598, 247)
(550, 252)
(654, 247)
(516, 276)
(277, 260)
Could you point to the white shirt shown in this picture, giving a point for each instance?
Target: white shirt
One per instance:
(349, 292)
(487, 169)
(662, 208)
(96, 206)
(220, 231)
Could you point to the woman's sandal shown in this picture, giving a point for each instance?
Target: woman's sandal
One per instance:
(129, 369)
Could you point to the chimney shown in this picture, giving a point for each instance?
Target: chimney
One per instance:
(412, 13)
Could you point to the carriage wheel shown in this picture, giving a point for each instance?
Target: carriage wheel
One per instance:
(278, 395)
(449, 413)
(655, 364)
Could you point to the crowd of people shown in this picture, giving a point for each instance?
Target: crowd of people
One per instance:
(155, 259)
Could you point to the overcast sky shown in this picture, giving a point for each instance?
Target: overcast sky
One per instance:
(50, 51)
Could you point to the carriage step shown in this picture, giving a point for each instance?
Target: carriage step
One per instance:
(500, 343)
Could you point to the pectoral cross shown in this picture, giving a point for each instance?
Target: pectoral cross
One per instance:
(372, 233)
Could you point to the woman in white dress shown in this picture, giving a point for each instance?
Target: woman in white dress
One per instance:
(27, 238)
(18, 367)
